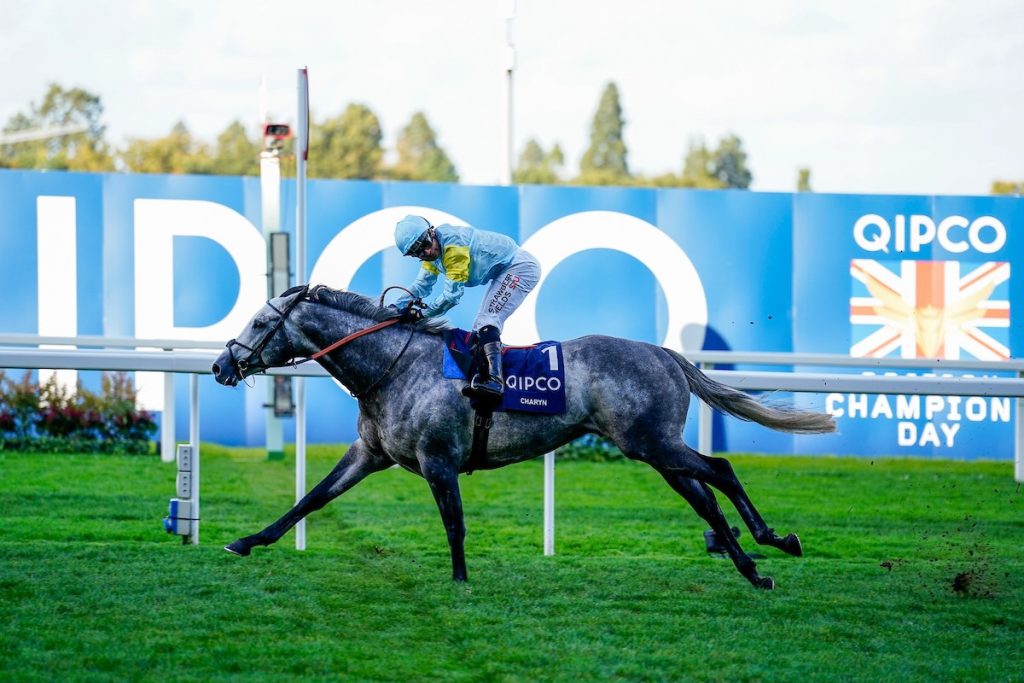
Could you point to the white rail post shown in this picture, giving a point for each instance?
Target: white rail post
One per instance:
(168, 444)
(705, 422)
(1018, 439)
(549, 503)
(301, 154)
(193, 437)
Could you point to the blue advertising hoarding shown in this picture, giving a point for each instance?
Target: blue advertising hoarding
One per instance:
(897, 276)
(909, 277)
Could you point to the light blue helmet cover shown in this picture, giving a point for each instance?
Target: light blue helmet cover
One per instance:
(408, 231)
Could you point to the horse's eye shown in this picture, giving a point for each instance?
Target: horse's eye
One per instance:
(258, 324)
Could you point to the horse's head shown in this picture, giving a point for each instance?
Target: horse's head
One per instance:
(264, 342)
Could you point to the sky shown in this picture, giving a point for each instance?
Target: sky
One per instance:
(909, 97)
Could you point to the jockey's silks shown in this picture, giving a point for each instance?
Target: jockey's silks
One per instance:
(469, 257)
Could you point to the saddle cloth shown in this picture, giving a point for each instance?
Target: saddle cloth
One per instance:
(534, 375)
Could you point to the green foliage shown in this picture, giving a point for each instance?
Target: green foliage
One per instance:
(604, 162)
(347, 146)
(699, 167)
(630, 594)
(729, 164)
(48, 418)
(419, 155)
(19, 405)
(84, 151)
(236, 153)
(723, 167)
(177, 152)
(1007, 187)
(538, 167)
(663, 180)
(590, 448)
(803, 181)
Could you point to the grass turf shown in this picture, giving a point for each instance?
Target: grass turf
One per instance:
(912, 571)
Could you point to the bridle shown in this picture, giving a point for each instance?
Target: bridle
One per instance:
(255, 357)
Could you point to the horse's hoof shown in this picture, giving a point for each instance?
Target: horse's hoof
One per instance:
(766, 583)
(238, 548)
(791, 544)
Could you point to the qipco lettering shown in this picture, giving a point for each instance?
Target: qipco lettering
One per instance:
(533, 383)
(955, 234)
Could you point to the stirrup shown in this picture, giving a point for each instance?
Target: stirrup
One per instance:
(482, 388)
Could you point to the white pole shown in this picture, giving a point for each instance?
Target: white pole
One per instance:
(193, 437)
(270, 201)
(705, 429)
(1018, 439)
(510, 65)
(549, 503)
(168, 447)
(705, 424)
(301, 155)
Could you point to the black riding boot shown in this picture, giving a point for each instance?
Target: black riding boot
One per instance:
(491, 384)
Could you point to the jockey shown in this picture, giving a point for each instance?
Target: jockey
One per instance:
(467, 257)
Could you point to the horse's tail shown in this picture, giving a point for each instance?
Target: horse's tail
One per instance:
(745, 407)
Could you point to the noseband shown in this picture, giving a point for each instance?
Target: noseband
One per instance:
(255, 352)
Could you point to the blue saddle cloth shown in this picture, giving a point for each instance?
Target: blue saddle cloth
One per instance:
(534, 375)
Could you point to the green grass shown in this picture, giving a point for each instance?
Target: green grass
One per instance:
(92, 589)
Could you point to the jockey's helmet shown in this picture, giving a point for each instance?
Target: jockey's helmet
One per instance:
(410, 232)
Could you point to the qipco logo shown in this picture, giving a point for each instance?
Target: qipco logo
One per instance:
(955, 234)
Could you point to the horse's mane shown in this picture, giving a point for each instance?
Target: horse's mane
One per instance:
(368, 308)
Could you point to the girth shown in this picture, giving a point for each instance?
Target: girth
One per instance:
(482, 420)
(483, 416)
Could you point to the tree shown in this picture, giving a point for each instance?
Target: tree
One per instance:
(1007, 187)
(81, 151)
(803, 181)
(237, 153)
(729, 163)
(537, 166)
(178, 152)
(698, 167)
(347, 146)
(663, 180)
(604, 162)
(419, 155)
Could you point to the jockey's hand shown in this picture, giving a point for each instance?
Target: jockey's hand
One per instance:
(411, 312)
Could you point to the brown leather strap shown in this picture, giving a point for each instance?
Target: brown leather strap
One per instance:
(353, 337)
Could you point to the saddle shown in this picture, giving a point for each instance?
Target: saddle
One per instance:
(534, 375)
(534, 382)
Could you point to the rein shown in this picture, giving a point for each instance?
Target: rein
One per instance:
(256, 351)
(352, 337)
(361, 333)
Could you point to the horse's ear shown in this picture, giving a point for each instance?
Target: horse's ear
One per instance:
(294, 290)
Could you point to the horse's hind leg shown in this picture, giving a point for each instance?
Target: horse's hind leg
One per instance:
(703, 501)
(730, 485)
(353, 467)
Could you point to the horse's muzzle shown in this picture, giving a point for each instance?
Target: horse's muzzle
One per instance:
(224, 369)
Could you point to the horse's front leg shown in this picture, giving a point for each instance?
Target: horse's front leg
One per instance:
(354, 466)
(443, 478)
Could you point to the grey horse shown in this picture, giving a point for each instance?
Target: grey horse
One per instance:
(633, 393)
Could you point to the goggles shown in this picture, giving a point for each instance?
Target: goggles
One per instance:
(421, 244)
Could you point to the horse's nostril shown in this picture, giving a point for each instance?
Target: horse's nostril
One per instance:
(216, 369)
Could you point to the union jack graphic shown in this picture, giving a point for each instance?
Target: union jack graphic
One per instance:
(930, 309)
